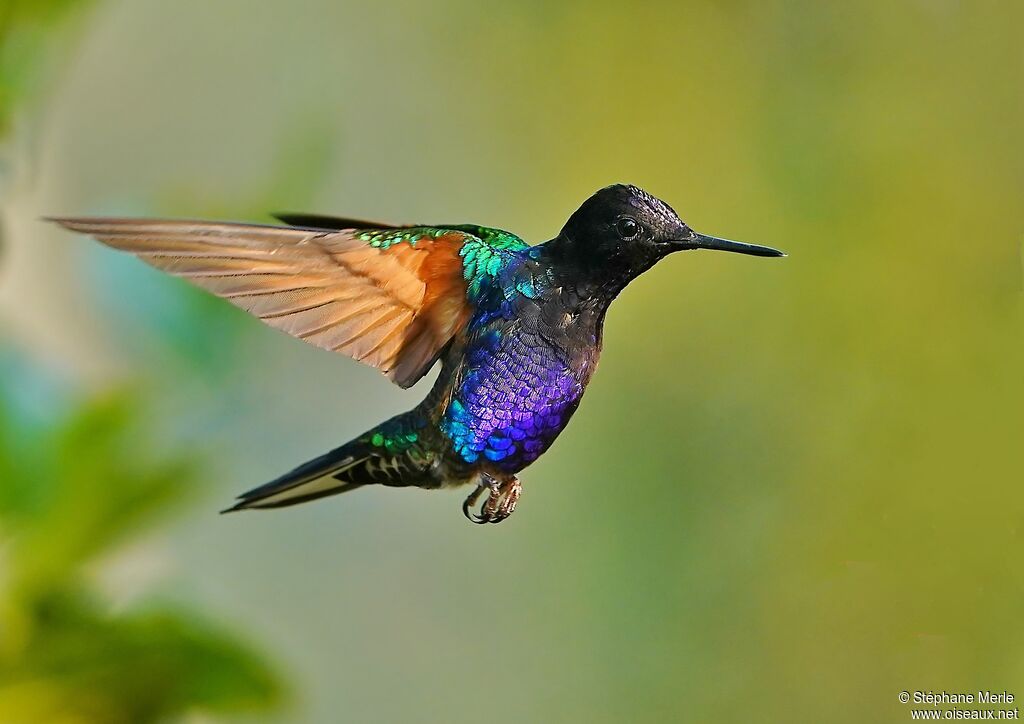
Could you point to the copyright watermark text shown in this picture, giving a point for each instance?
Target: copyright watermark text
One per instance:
(960, 705)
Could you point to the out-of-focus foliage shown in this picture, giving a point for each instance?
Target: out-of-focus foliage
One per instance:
(76, 485)
(31, 35)
(74, 490)
(29, 31)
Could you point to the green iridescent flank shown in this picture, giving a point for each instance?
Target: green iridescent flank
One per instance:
(395, 436)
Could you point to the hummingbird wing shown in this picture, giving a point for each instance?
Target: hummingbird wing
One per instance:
(392, 298)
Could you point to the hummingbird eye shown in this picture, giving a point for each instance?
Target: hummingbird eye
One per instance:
(627, 228)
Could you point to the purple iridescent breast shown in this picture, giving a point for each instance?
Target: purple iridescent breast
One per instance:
(516, 395)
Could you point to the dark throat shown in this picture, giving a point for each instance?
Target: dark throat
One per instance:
(595, 276)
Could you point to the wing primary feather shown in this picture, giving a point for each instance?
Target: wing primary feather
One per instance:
(265, 292)
(288, 311)
(373, 324)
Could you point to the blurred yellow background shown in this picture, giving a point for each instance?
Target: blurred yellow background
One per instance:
(793, 490)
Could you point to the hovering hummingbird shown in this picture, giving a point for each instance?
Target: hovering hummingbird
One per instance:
(517, 328)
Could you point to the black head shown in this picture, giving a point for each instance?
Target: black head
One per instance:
(625, 226)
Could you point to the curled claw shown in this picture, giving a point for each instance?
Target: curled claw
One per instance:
(467, 505)
(482, 517)
(501, 500)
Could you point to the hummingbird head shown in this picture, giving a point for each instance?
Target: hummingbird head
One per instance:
(625, 228)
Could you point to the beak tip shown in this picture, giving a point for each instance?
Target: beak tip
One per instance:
(714, 243)
(766, 251)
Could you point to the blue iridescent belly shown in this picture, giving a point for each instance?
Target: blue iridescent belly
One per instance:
(514, 397)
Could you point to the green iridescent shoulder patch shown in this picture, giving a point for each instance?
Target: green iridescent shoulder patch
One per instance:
(385, 238)
(484, 250)
(485, 253)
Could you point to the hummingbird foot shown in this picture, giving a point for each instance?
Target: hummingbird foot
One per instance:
(502, 498)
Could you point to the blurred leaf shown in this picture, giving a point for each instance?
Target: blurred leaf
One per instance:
(95, 484)
(141, 667)
(71, 491)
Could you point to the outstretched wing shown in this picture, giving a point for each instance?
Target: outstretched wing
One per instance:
(389, 297)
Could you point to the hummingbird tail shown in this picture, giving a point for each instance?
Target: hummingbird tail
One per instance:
(320, 476)
(393, 453)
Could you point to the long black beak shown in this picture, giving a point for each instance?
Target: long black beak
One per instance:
(702, 241)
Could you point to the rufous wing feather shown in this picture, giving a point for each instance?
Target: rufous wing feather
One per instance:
(394, 308)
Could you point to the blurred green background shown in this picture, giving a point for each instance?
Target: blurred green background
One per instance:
(794, 488)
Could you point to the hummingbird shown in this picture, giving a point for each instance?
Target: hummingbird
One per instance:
(517, 329)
